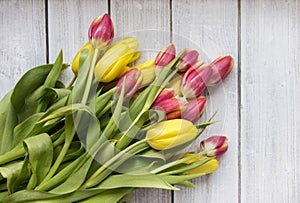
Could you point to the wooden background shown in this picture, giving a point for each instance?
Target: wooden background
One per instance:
(258, 104)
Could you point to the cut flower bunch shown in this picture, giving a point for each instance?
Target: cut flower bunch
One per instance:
(115, 128)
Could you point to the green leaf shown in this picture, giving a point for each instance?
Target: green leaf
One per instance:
(177, 179)
(24, 129)
(15, 153)
(137, 165)
(28, 195)
(59, 93)
(55, 72)
(11, 172)
(153, 154)
(20, 180)
(40, 153)
(109, 196)
(75, 150)
(181, 168)
(3, 195)
(62, 175)
(146, 181)
(8, 132)
(186, 184)
(29, 82)
(74, 181)
(4, 108)
(65, 111)
(79, 87)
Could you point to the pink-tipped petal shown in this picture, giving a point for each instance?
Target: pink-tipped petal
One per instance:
(221, 68)
(165, 94)
(195, 80)
(188, 59)
(101, 32)
(194, 109)
(133, 80)
(214, 146)
(164, 57)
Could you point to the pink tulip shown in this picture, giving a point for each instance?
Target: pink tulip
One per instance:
(195, 80)
(165, 94)
(221, 67)
(133, 80)
(101, 32)
(194, 109)
(171, 107)
(214, 146)
(188, 59)
(164, 57)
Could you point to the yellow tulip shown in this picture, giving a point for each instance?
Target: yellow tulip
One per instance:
(171, 133)
(75, 63)
(113, 63)
(175, 85)
(197, 158)
(209, 167)
(148, 71)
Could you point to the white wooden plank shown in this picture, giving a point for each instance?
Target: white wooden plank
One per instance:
(69, 22)
(149, 21)
(270, 101)
(211, 27)
(22, 40)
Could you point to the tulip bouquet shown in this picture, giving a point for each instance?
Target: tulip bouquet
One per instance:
(115, 128)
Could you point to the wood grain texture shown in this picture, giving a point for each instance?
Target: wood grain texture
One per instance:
(69, 22)
(270, 101)
(211, 27)
(22, 40)
(149, 22)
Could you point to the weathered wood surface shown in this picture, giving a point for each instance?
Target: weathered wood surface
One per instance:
(258, 104)
(208, 26)
(270, 113)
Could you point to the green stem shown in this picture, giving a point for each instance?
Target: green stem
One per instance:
(173, 163)
(94, 179)
(72, 82)
(125, 140)
(69, 138)
(90, 78)
(13, 154)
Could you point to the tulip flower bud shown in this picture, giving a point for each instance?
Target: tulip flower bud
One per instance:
(189, 154)
(101, 32)
(164, 57)
(115, 60)
(175, 85)
(133, 80)
(78, 56)
(214, 146)
(188, 59)
(207, 168)
(194, 109)
(148, 71)
(221, 67)
(195, 79)
(165, 94)
(171, 107)
(171, 133)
